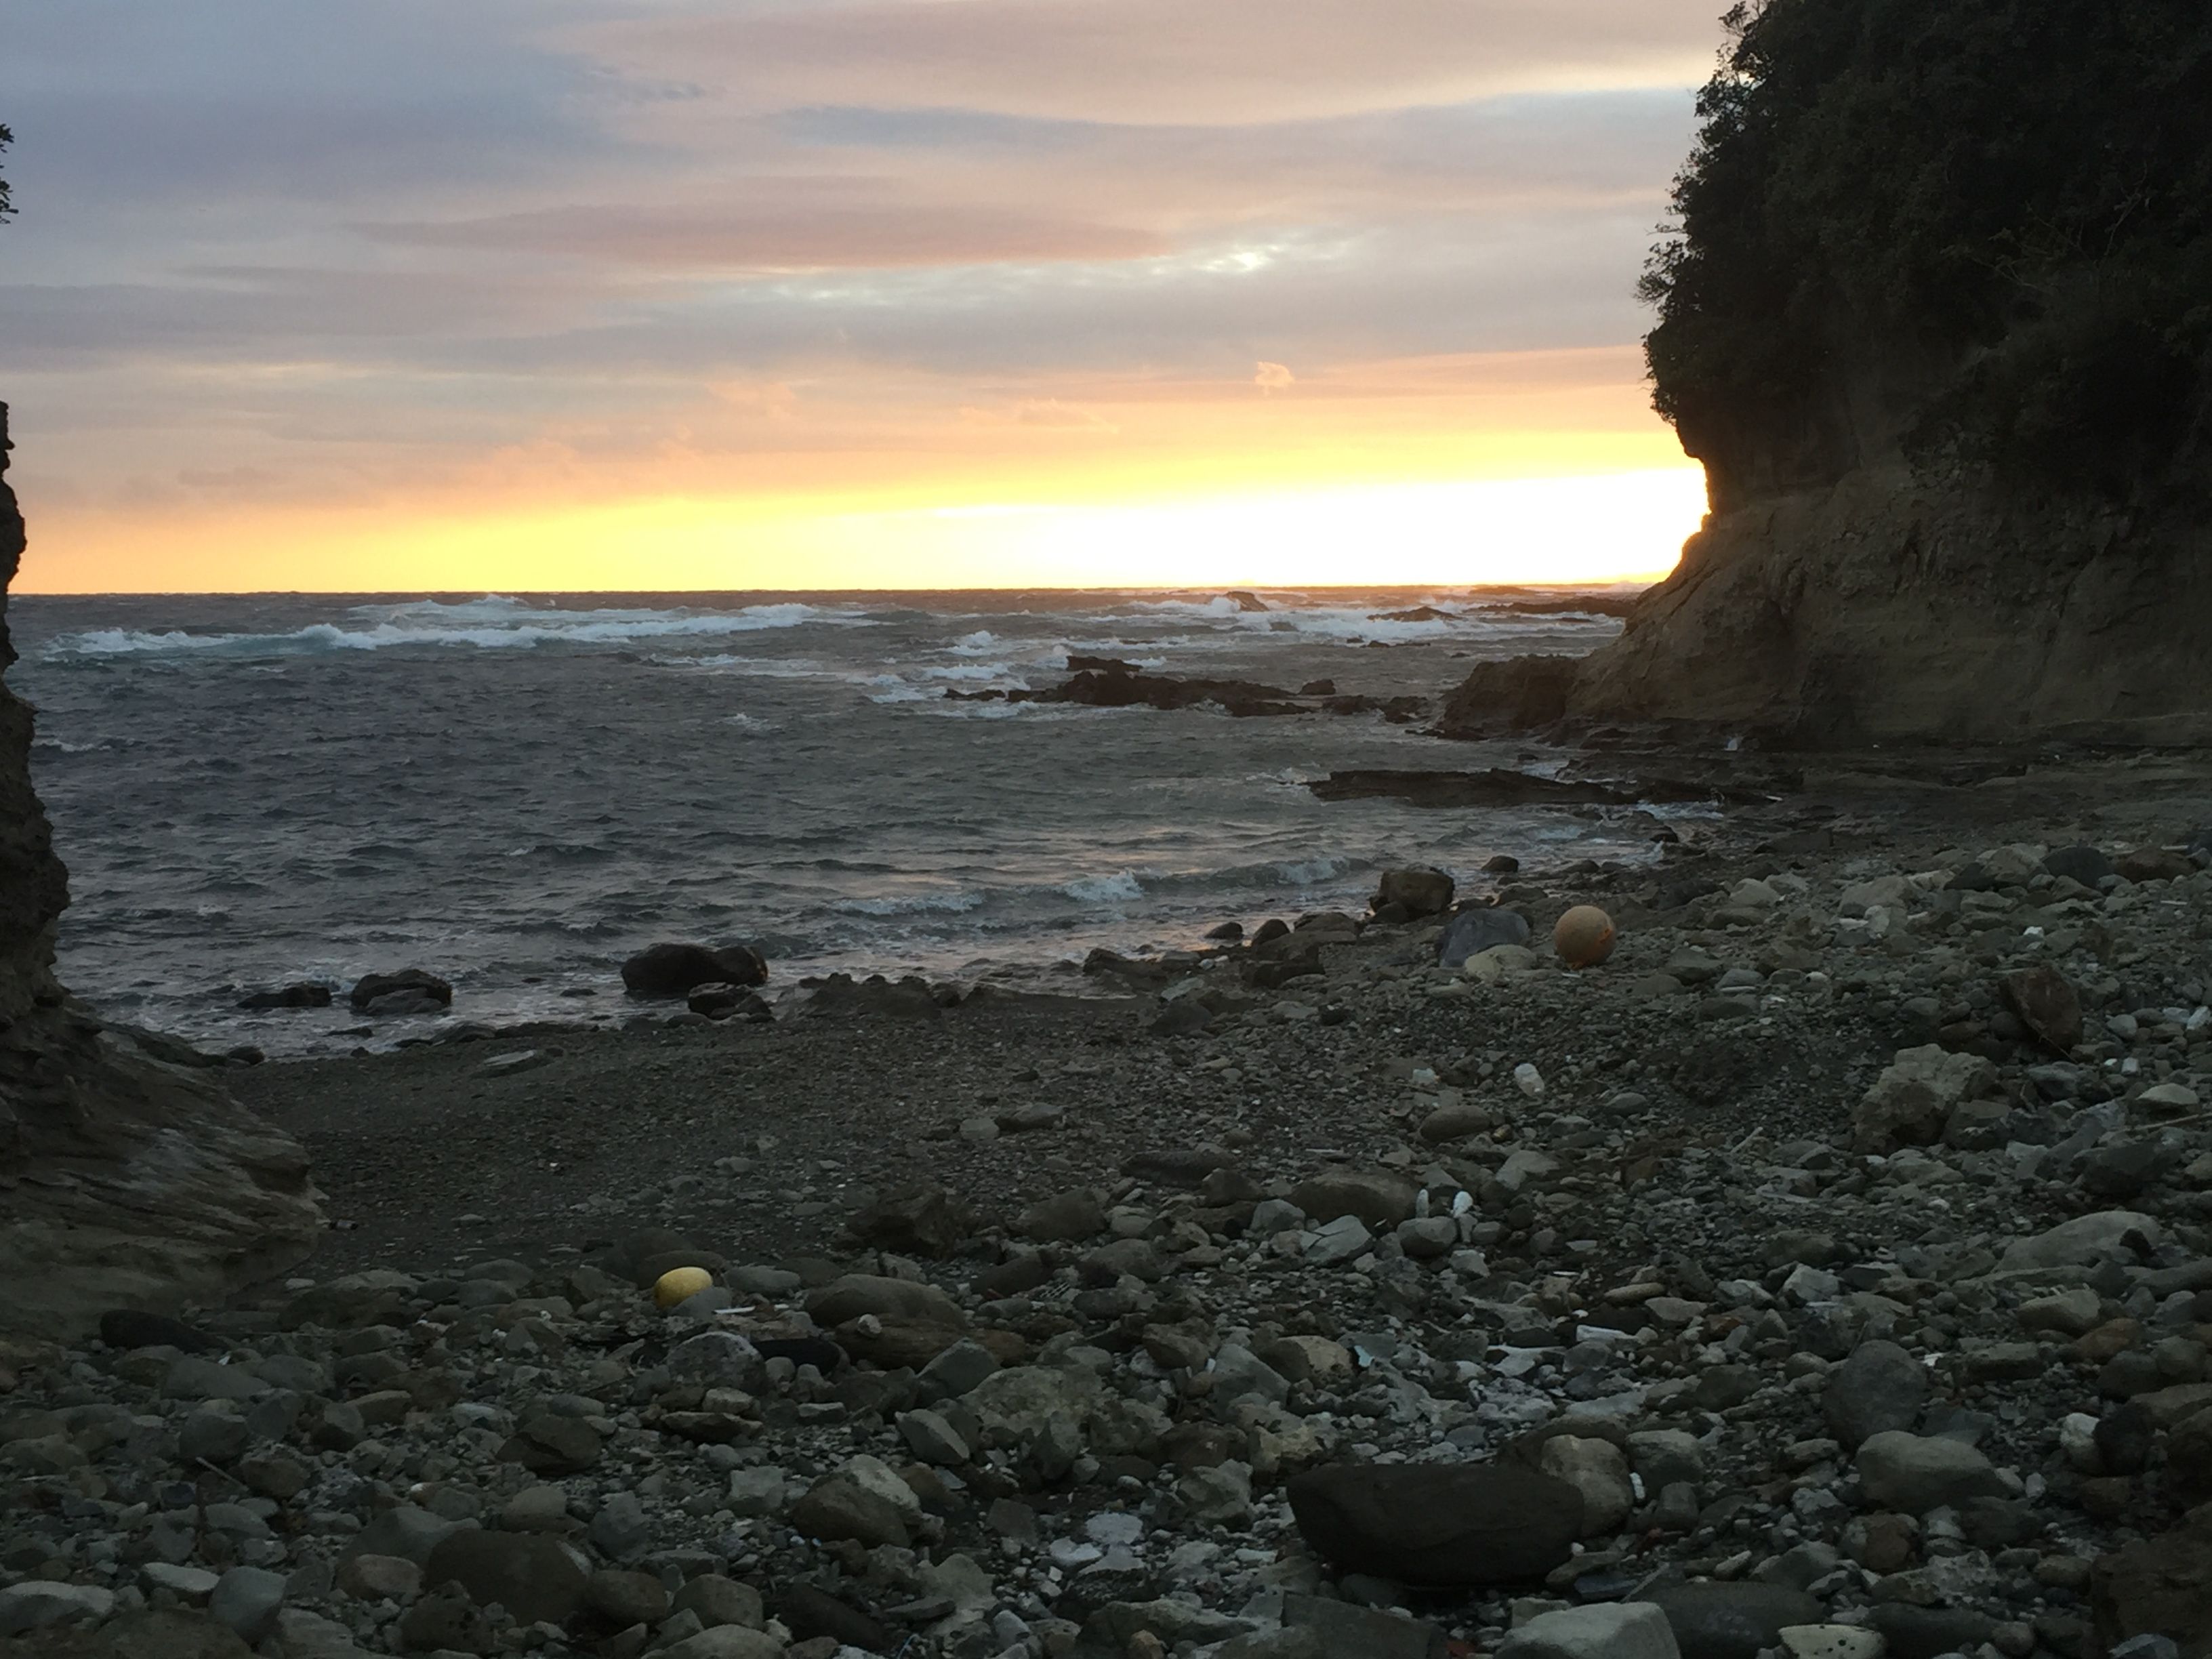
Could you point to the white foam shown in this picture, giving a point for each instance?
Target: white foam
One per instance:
(492, 623)
(1312, 873)
(908, 904)
(1122, 887)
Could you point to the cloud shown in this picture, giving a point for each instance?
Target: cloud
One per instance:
(797, 225)
(1224, 62)
(269, 249)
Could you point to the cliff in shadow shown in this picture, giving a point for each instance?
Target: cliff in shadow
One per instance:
(1936, 315)
(129, 1177)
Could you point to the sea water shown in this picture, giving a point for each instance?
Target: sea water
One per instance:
(516, 793)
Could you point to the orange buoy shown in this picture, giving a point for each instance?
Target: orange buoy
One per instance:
(1583, 937)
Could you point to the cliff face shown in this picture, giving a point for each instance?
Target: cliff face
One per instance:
(125, 1180)
(1880, 610)
(1932, 317)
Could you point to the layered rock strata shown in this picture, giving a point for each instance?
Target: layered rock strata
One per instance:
(126, 1179)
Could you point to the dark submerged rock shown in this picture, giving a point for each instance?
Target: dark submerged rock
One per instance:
(391, 992)
(672, 971)
(1438, 1524)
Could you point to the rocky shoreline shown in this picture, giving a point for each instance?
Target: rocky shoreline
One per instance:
(1828, 1272)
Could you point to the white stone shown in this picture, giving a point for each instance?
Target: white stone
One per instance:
(1617, 1630)
(1345, 1239)
(36, 1603)
(1833, 1642)
(190, 1584)
(2081, 1242)
(873, 1474)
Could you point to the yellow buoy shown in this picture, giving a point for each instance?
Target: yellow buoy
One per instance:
(679, 1283)
(1583, 937)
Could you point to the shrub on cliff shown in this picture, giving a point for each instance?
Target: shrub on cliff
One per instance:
(1995, 213)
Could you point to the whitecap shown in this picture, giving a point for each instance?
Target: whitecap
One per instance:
(906, 904)
(1312, 873)
(487, 625)
(1121, 888)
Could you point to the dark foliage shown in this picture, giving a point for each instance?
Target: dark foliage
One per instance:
(6, 206)
(2003, 206)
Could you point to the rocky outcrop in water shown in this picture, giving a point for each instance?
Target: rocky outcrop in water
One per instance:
(126, 1179)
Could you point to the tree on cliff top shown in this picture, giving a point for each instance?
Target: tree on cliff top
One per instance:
(2005, 205)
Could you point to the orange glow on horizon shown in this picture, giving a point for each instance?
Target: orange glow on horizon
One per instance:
(1535, 467)
(1599, 528)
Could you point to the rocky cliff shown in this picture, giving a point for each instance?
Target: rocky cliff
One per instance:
(1878, 609)
(1931, 317)
(126, 1178)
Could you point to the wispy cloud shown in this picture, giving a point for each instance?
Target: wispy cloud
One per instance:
(268, 250)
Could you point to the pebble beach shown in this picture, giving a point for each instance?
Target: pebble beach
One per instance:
(1826, 1273)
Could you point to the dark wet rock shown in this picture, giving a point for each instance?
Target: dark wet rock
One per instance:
(1480, 928)
(1176, 1166)
(445, 1621)
(810, 1612)
(1732, 1621)
(305, 995)
(1416, 892)
(672, 969)
(925, 1220)
(726, 1001)
(624, 1599)
(129, 1328)
(836, 1509)
(2160, 1585)
(2047, 1004)
(1438, 1524)
(533, 1576)
(2153, 864)
(1881, 1387)
(1498, 787)
(401, 992)
(1916, 1633)
(1520, 693)
(857, 1296)
(1184, 1017)
(554, 1446)
(1063, 1219)
(1377, 1198)
(1914, 1473)
(2081, 863)
(839, 996)
(1108, 683)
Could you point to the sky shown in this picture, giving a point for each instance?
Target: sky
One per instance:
(517, 295)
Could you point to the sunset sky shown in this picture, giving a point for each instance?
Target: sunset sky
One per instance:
(740, 294)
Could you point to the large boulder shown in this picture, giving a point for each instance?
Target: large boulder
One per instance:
(671, 970)
(1377, 1197)
(128, 1180)
(410, 990)
(2160, 1586)
(1915, 1095)
(1415, 892)
(1881, 1387)
(532, 1575)
(1440, 1524)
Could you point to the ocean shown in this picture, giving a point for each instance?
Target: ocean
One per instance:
(516, 793)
